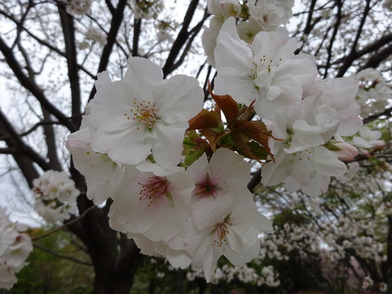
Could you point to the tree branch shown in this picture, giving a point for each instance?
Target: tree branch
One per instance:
(61, 256)
(349, 59)
(182, 37)
(30, 85)
(339, 5)
(111, 39)
(71, 56)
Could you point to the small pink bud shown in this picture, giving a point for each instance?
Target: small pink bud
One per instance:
(378, 144)
(347, 151)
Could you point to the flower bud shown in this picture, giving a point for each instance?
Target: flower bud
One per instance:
(346, 152)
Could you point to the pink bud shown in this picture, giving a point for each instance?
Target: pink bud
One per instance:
(347, 151)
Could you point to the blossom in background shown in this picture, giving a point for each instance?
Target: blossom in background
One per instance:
(147, 9)
(368, 139)
(268, 15)
(15, 247)
(373, 94)
(165, 30)
(222, 9)
(78, 7)
(143, 113)
(383, 287)
(387, 4)
(96, 35)
(55, 196)
(367, 282)
(243, 273)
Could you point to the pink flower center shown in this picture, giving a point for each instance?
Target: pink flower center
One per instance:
(206, 188)
(153, 189)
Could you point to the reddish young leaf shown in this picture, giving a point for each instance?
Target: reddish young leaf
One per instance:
(257, 131)
(205, 119)
(212, 136)
(241, 145)
(227, 104)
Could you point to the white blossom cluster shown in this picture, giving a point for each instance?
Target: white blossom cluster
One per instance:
(92, 34)
(15, 247)
(368, 283)
(368, 139)
(255, 16)
(55, 196)
(342, 230)
(147, 9)
(78, 7)
(387, 4)
(374, 94)
(96, 35)
(181, 214)
(309, 116)
(348, 233)
(130, 146)
(242, 273)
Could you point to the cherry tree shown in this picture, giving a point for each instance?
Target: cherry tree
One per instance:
(148, 127)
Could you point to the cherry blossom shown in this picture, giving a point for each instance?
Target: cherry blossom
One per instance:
(79, 7)
(144, 113)
(96, 35)
(368, 139)
(222, 9)
(309, 170)
(55, 196)
(15, 247)
(269, 15)
(225, 227)
(225, 174)
(373, 94)
(103, 175)
(339, 94)
(147, 9)
(266, 71)
(152, 201)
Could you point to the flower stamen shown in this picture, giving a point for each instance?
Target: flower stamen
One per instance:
(153, 189)
(221, 231)
(206, 188)
(145, 112)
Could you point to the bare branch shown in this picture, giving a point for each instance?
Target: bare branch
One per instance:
(111, 39)
(181, 39)
(339, 6)
(72, 64)
(349, 59)
(61, 255)
(30, 85)
(136, 35)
